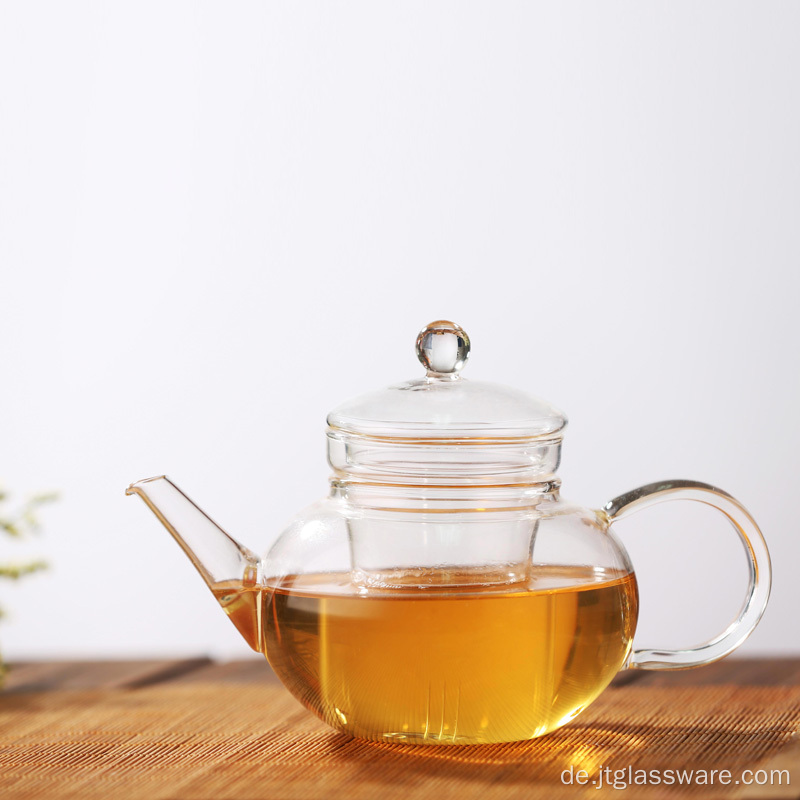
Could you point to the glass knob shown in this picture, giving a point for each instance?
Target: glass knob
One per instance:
(443, 348)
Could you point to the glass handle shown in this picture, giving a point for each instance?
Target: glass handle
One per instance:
(759, 577)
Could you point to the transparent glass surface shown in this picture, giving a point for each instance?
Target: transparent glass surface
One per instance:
(443, 592)
(432, 623)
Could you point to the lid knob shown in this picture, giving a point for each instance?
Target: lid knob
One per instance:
(443, 348)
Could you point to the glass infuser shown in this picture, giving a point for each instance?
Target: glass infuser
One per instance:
(444, 592)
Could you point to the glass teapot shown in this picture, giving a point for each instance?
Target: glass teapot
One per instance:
(444, 592)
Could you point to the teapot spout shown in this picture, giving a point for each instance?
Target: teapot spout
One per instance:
(227, 567)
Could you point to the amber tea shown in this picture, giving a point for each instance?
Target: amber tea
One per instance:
(457, 666)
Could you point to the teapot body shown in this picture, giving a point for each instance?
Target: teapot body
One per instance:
(410, 616)
(444, 593)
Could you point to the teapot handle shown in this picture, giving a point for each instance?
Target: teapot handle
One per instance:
(759, 578)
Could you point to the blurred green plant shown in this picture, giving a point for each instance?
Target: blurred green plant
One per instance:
(18, 524)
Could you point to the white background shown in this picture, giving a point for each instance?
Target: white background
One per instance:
(218, 221)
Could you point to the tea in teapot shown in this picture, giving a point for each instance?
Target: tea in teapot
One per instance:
(506, 664)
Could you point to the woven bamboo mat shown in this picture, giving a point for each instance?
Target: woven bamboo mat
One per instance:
(248, 741)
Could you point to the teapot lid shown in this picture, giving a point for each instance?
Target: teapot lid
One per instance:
(443, 405)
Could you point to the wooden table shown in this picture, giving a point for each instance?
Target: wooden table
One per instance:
(193, 728)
